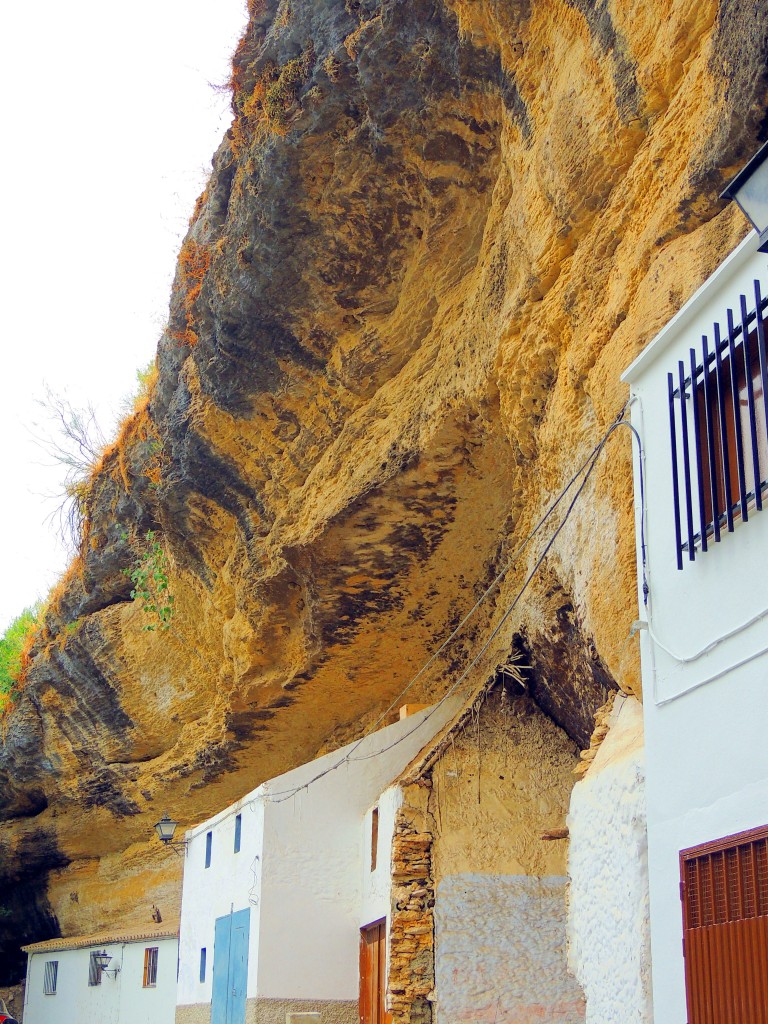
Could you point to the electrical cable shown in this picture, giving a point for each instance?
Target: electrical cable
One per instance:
(711, 679)
(586, 467)
(686, 659)
(681, 659)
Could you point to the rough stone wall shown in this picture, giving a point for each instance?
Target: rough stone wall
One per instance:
(608, 931)
(435, 234)
(411, 923)
(477, 927)
(500, 891)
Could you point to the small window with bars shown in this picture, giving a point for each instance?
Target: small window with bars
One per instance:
(94, 970)
(50, 976)
(150, 967)
(718, 417)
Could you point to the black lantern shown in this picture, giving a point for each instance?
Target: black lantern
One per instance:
(750, 190)
(101, 960)
(165, 828)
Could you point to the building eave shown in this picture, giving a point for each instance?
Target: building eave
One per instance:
(683, 318)
(431, 751)
(99, 939)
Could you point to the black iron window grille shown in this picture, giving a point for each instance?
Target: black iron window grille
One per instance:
(718, 423)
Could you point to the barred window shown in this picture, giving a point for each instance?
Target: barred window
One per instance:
(718, 417)
(150, 966)
(49, 979)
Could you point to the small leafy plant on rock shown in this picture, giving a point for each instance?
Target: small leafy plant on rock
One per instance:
(151, 584)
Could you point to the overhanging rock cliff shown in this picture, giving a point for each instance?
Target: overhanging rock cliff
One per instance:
(432, 239)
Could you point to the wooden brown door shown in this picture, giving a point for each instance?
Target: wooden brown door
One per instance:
(724, 889)
(373, 974)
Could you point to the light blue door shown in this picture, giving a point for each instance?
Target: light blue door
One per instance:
(230, 968)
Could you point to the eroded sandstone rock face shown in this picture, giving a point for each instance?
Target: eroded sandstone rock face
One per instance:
(434, 236)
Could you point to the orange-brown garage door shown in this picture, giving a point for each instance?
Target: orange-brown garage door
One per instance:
(724, 889)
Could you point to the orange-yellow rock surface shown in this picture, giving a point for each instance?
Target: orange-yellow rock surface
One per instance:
(433, 238)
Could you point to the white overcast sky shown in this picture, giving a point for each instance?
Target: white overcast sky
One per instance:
(108, 125)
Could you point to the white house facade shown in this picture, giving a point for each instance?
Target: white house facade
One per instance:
(273, 901)
(138, 986)
(698, 400)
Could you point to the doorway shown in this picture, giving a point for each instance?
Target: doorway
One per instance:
(230, 968)
(724, 890)
(373, 974)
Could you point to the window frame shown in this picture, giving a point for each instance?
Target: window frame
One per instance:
(208, 848)
(151, 957)
(719, 452)
(374, 837)
(238, 833)
(50, 977)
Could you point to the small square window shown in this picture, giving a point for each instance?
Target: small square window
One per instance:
(238, 830)
(203, 956)
(50, 978)
(208, 847)
(150, 967)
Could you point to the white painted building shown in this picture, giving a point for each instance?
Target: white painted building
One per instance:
(64, 982)
(273, 902)
(704, 644)
(608, 931)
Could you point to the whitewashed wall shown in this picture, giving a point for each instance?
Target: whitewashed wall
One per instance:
(299, 869)
(117, 1000)
(313, 857)
(608, 932)
(376, 886)
(707, 760)
(232, 882)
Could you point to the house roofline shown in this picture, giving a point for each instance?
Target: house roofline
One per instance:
(730, 266)
(301, 776)
(746, 172)
(432, 750)
(98, 939)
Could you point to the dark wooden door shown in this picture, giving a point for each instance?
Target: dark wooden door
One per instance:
(373, 974)
(724, 889)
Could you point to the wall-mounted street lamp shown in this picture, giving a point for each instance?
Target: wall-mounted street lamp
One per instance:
(750, 190)
(166, 829)
(102, 960)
